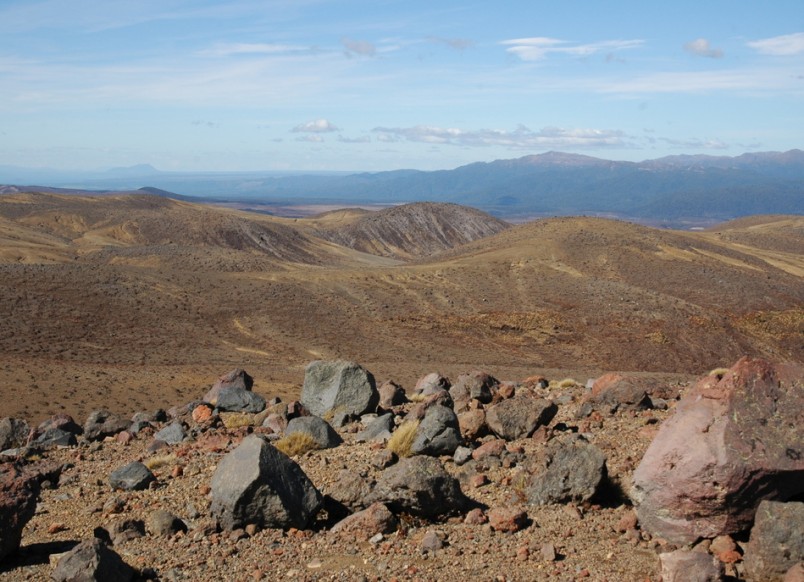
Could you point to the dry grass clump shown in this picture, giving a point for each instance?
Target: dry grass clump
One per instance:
(417, 397)
(157, 461)
(719, 372)
(296, 443)
(237, 419)
(565, 383)
(402, 439)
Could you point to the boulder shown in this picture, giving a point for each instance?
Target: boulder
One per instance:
(431, 383)
(239, 400)
(55, 437)
(319, 429)
(257, 484)
(438, 433)
(419, 486)
(351, 489)
(777, 540)
(338, 386)
(570, 470)
(237, 378)
(172, 434)
(13, 433)
(61, 421)
(614, 391)
(690, 566)
(732, 442)
(19, 491)
(391, 394)
(519, 417)
(102, 423)
(472, 424)
(132, 477)
(378, 429)
(90, 561)
(365, 524)
(474, 385)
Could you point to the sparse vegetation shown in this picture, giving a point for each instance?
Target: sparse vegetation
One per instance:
(401, 440)
(158, 461)
(719, 372)
(296, 444)
(565, 384)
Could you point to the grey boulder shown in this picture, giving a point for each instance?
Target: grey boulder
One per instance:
(571, 470)
(317, 428)
(338, 386)
(91, 561)
(132, 477)
(519, 417)
(102, 423)
(438, 432)
(777, 540)
(240, 400)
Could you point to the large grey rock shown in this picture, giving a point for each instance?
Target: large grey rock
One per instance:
(476, 384)
(519, 417)
(237, 378)
(61, 421)
(732, 442)
(351, 489)
(777, 540)
(571, 470)
(19, 491)
(431, 383)
(172, 434)
(438, 432)
(240, 400)
(102, 423)
(256, 483)
(13, 433)
(690, 566)
(92, 561)
(338, 386)
(319, 429)
(55, 437)
(419, 486)
(378, 429)
(132, 477)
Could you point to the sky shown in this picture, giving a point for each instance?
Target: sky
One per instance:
(348, 85)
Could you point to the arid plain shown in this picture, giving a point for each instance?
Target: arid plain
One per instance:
(136, 301)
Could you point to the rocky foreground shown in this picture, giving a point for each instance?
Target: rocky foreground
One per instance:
(623, 479)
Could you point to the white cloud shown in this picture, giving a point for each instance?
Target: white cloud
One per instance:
(311, 138)
(700, 47)
(358, 47)
(788, 44)
(538, 48)
(459, 44)
(315, 126)
(695, 143)
(521, 137)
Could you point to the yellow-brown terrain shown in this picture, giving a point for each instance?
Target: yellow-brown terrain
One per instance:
(135, 302)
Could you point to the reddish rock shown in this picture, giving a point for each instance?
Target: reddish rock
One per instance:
(777, 540)
(19, 491)
(478, 480)
(476, 517)
(472, 424)
(391, 394)
(507, 519)
(493, 448)
(476, 385)
(795, 574)
(690, 566)
(61, 421)
(431, 383)
(441, 398)
(506, 390)
(202, 413)
(517, 418)
(548, 552)
(124, 437)
(627, 521)
(724, 548)
(237, 378)
(363, 525)
(731, 443)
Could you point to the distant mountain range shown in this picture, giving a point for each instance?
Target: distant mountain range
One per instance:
(672, 188)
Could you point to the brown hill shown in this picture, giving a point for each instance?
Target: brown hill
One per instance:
(411, 230)
(135, 302)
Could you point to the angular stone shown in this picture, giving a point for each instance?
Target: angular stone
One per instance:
(777, 540)
(132, 477)
(472, 424)
(732, 442)
(240, 400)
(90, 561)
(438, 433)
(19, 492)
(571, 470)
(102, 423)
(391, 394)
(376, 518)
(55, 437)
(420, 486)
(237, 378)
(507, 519)
(256, 483)
(378, 429)
(431, 383)
(474, 385)
(351, 490)
(690, 566)
(163, 523)
(338, 386)
(126, 530)
(61, 421)
(172, 434)
(319, 429)
(519, 417)
(13, 433)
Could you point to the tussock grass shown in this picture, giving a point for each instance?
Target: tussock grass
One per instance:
(417, 397)
(157, 461)
(401, 440)
(236, 419)
(296, 443)
(719, 372)
(565, 383)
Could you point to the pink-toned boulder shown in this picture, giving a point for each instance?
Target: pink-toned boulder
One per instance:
(508, 519)
(431, 383)
(391, 394)
(690, 566)
(237, 378)
(376, 518)
(731, 443)
(472, 424)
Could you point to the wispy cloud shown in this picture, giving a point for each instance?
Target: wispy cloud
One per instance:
(787, 44)
(316, 126)
(701, 48)
(696, 144)
(311, 138)
(358, 48)
(521, 137)
(233, 49)
(459, 44)
(360, 139)
(538, 48)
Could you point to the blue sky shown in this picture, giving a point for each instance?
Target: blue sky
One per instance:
(386, 84)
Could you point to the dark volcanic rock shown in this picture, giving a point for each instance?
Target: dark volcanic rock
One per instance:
(351, 489)
(420, 486)
(731, 443)
(61, 421)
(319, 429)
(92, 561)
(55, 437)
(19, 491)
(172, 434)
(338, 386)
(257, 484)
(240, 400)
(378, 429)
(102, 423)
(438, 433)
(13, 433)
(237, 378)
(571, 470)
(777, 540)
(132, 477)
(518, 417)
